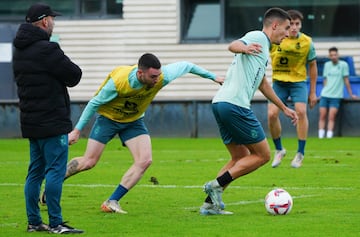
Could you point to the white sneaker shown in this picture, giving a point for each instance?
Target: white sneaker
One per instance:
(329, 134)
(211, 209)
(279, 155)
(112, 206)
(297, 161)
(214, 190)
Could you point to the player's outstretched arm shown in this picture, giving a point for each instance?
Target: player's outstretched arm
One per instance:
(107, 93)
(178, 69)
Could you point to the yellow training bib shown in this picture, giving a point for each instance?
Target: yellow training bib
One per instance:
(289, 59)
(130, 104)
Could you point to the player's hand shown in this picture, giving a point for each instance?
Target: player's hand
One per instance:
(312, 100)
(292, 115)
(253, 49)
(354, 96)
(74, 136)
(220, 80)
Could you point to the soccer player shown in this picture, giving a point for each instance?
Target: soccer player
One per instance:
(289, 61)
(336, 75)
(121, 102)
(240, 130)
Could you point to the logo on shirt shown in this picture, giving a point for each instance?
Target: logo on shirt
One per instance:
(284, 60)
(129, 108)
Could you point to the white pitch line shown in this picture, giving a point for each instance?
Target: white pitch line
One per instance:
(9, 224)
(189, 186)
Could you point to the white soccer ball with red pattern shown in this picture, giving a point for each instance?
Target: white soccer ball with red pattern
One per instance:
(278, 202)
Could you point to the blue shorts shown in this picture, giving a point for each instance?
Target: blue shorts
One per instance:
(297, 91)
(105, 129)
(329, 102)
(237, 125)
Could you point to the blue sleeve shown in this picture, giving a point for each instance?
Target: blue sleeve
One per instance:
(176, 70)
(106, 94)
(312, 53)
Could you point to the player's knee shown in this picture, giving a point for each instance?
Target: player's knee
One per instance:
(322, 117)
(89, 163)
(145, 162)
(266, 157)
(301, 113)
(272, 115)
(332, 118)
(263, 158)
(302, 116)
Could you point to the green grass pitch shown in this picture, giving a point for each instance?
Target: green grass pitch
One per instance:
(326, 191)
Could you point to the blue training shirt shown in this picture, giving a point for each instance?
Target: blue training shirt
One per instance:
(109, 91)
(245, 73)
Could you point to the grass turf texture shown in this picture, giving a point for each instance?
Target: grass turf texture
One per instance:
(326, 191)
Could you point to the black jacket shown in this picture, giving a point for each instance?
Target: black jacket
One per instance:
(42, 73)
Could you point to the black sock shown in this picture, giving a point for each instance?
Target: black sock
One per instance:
(224, 179)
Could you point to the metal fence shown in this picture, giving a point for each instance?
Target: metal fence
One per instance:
(195, 119)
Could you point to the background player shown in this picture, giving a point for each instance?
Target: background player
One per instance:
(289, 60)
(336, 75)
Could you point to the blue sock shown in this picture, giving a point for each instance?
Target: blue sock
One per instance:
(301, 145)
(119, 192)
(277, 143)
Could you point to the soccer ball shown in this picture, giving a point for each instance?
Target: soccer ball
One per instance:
(278, 202)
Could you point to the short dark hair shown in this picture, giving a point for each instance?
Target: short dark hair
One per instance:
(333, 49)
(273, 13)
(295, 14)
(149, 60)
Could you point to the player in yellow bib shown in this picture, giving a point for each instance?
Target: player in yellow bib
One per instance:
(121, 102)
(289, 61)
